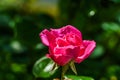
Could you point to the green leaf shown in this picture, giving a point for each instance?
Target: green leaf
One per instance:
(44, 68)
(79, 77)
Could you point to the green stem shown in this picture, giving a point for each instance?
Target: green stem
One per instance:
(64, 69)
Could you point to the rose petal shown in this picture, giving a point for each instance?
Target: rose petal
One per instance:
(61, 42)
(44, 38)
(61, 51)
(73, 51)
(66, 29)
(73, 39)
(69, 28)
(81, 53)
(47, 38)
(59, 56)
(62, 55)
(62, 60)
(56, 32)
(89, 47)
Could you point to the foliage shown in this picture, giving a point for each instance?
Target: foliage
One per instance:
(20, 46)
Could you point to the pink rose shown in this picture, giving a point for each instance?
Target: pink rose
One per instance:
(66, 44)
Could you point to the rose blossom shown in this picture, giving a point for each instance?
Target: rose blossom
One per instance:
(66, 44)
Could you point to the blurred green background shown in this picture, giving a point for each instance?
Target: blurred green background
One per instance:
(21, 21)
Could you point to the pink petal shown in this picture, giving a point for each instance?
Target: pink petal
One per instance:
(81, 53)
(61, 51)
(66, 29)
(44, 38)
(62, 55)
(69, 28)
(62, 60)
(73, 39)
(56, 32)
(89, 47)
(47, 38)
(73, 51)
(61, 42)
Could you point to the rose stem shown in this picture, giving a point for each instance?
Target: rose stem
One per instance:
(64, 69)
